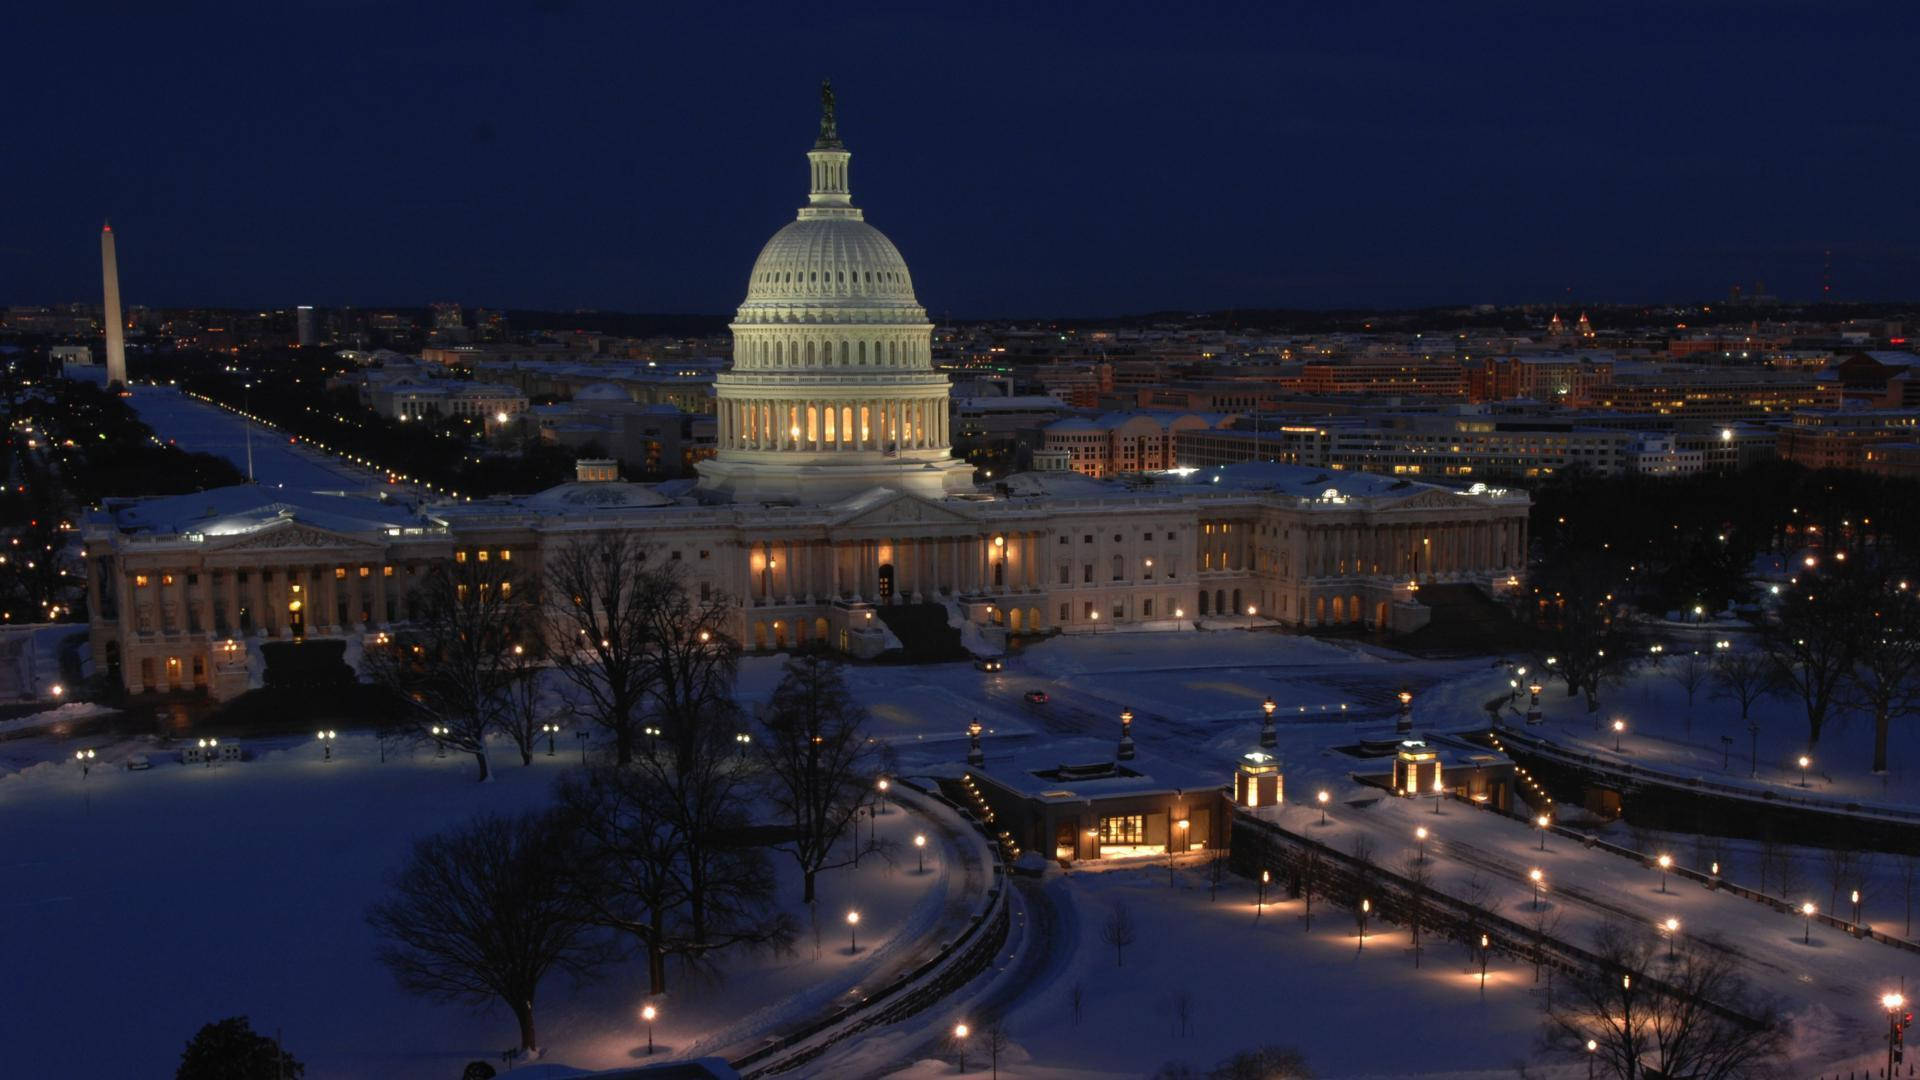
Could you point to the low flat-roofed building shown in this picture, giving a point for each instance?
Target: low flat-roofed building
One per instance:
(1078, 799)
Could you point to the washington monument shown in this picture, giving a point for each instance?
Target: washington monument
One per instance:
(116, 325)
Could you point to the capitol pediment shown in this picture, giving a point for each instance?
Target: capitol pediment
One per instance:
(287, 534)
(899, 509)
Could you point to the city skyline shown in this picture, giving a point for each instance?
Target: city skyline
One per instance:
(1042, 166)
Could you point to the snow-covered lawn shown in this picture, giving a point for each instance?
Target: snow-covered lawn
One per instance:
(1663, 732)
(1250, 979)
(1828, 981)
(140, 905)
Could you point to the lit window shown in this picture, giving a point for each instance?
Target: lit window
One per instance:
(365, 571)
(166, 579)
(506, 555)
(140, 581)
(386, 571)
(339, 573)
(459, 556)
(483, 554)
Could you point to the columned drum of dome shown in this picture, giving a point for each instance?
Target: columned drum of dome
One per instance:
(832, 390)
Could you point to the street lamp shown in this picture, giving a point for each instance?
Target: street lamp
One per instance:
(1420, 834)
(1543, 821)
(1591, 1047)
(649, 1014)
(1539, 882)
(439, 747)
(960, 1045)
(1533, 705)
(1804, 762)
(1672, 927)
(920, 849)
(1406, 710)
(1266, 876)
(1666, 863)
(1366, 909)
(853, 932)
(551, 731)
(85, 758)
(1268, 737)
(207, 748)
(1806, 912)
(1618, 727)
(1856, 909)
(1896, 1026)
(742, 740)
(1322, 798)
(326, 743)
(1484, 943)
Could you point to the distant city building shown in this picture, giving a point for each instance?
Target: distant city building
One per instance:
(307, 328)
(832, 502)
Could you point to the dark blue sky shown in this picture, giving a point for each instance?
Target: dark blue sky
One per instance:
(1092, 159)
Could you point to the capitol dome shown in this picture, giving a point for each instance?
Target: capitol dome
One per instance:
(832, 390)
(816, 259)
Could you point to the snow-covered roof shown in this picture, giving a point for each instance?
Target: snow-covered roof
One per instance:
(1082, 769)
(615, 495)
(245, 507)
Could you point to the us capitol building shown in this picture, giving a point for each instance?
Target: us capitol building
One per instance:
(833, 498)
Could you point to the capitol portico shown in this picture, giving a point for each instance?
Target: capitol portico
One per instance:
(834, 500)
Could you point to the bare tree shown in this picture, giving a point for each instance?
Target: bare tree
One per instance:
(995, 1040)
(1545, 923)
(1310, 870)
(690, 659)
(1418, 874)
(1691, 671)
(820, 761)
(1118, 931)
(1679, 1025)
(1884, 681)
(1776, 859)
(707, 782)
(1909, 873)
(630, 863)
(596, 591)
(1077, 997)
(524, 704)
(1841, 867)
(1813, 644)
(1746, 677)
(453, 661)
(1182, 1009)
(479, 913)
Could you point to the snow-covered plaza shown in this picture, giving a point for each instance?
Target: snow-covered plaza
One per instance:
(148, 902)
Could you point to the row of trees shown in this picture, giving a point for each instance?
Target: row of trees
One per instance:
(1844, 638)
(661, 847)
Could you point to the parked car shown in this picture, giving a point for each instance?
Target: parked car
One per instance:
(138, 762)
(1036, 697)
(989, 663)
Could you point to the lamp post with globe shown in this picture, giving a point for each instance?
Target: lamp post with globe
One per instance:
(1268, 737)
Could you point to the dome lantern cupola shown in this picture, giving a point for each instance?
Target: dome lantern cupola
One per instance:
(830, 196)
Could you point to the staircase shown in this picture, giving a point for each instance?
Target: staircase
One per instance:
(1464, 620)
(925, 637)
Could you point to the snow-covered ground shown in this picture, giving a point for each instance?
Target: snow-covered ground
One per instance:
(200, 428)
(149, 903)
(1663, 732)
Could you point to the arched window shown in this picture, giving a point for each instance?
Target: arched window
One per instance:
(843, 352)
(863, 353)
(1119, 568)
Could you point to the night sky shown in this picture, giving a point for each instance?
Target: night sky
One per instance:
(1085, 161)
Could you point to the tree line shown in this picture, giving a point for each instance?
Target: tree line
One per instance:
(661, 846)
